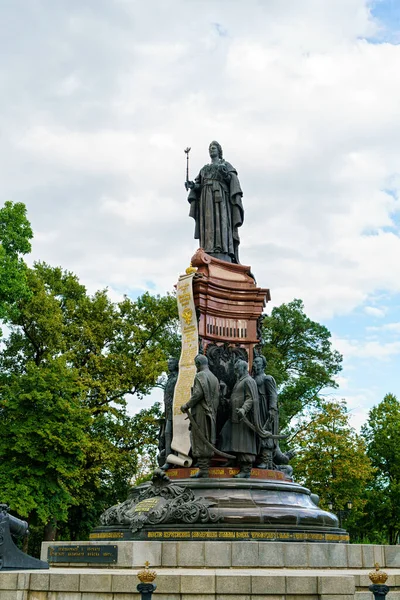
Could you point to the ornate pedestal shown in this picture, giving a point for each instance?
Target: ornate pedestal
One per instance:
(229, 306)
(266, 507)
(262, 505)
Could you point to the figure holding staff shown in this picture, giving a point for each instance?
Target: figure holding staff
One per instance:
(215, 199)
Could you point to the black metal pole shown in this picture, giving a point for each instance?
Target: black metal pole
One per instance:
(379, 590)
(146, 590)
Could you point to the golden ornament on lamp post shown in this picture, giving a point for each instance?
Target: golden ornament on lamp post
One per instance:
(378, 586)
(146, 586)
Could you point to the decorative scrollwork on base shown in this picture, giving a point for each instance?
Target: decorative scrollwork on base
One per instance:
(176, 504)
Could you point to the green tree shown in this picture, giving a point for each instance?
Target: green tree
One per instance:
(107, 351)
(300, 357)
(44, 436)
(382, 436)
(332, 458)
(15, 236)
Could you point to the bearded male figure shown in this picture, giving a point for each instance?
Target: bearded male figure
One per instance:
(237, 437)
(216, 206)
(204, 406)
(166, 428)
(269, 417)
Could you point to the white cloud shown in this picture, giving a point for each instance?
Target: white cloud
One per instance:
(365, 349)
(374, 311)
(386, 327)
(102, 99)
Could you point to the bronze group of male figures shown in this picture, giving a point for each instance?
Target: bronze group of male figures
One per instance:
(250, 434)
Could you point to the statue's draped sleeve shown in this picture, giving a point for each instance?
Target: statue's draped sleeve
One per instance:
(235, 193)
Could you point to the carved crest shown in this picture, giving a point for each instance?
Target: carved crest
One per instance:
(172, 504)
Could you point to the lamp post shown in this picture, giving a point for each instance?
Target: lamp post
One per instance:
(342, 513)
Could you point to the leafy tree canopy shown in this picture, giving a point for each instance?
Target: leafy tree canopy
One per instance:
(300, 357)
(15, 236)
(332, 459)
(66, 369)
(382, 436)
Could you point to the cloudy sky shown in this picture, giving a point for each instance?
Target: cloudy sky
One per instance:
(100, 97)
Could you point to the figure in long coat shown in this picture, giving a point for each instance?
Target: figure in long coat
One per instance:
(204, 405)
(216, 206)
(268, 408)
(165, 439)
(237, 437)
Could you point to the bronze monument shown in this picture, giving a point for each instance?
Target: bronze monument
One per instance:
(229, 414)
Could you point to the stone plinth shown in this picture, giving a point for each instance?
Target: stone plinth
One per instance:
(251, 554)
(193, 584)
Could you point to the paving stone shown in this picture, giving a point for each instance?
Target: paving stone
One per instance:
(233, 584)
(318, 555)
(296, 554)
(363, 580)
(218, 554)
(169, 554)
(392, 556)
(94, 583)
(23, 581)
(263, 597)
(244, 597)
(39, 581)
(64, 582)
(198, 597)
(146, 551)
(64, 596)
(354, 556)
(363, 596)
(168, 584)
(367, 551)
(336, 597)
(267, 584)
(379, 555)
(96, 596)
(192, 584)
(125, 555)
(8, 581)
(191, 554)
(124, 583)
(14, 595)
(271, 554)
(41, 595)
(298, 584)
(159, 596)
(340, 584)
(302, 597)
(245, 555)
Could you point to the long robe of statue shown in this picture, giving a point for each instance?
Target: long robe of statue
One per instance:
(216, 206)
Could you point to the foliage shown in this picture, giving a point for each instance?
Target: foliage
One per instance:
(15, 235)
(332, 458)
(44, 435)
(382, 435)
(69, 363)
(300, 357)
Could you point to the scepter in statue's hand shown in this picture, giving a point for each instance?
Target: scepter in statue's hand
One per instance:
(189, 185)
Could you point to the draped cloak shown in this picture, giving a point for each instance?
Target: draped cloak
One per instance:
(268, 407)
(216, 206)
(236, 436)
(204, 405)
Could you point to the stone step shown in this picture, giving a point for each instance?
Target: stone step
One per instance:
(245, 554)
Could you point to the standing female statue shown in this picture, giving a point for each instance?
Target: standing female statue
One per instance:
(216, 206)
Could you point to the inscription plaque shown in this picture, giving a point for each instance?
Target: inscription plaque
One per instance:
(83, 554)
